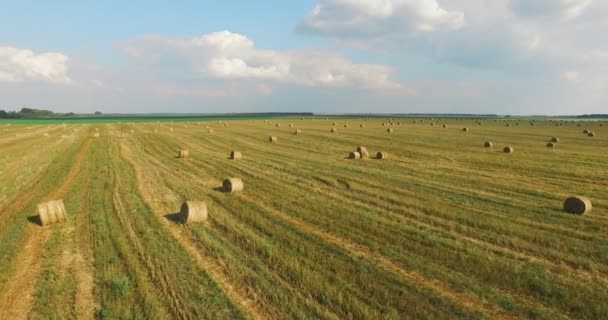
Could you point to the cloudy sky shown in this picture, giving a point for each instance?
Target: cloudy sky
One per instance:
(435, 56)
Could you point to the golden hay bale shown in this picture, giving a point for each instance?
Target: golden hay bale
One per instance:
(278, 125)
(51, 212)
(183, 154)
(210, 131)
(46, 134)
(96, 135)
(170, 129)
(354, 155)
(345, 126)
(298, 131)
(555, 139)
(465, 129)
(577, 205)
(193, 212)
(363, 152)
(291, 125)
(381, 155)
(362, 126)
(551, 145)
(389, 130)
(591, 134)
(445, 125)
(508, 124)
(231, 185)
(585, 131)
(432, 124)
(488, 144)
(235, 155)
(272, 139)
(335, 124)
(507, 149)
(334, 130)
(155, 131)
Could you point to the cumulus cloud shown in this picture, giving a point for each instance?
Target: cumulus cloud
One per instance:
(565, 8)
(228, 55)
(375, 17)
(19, 65)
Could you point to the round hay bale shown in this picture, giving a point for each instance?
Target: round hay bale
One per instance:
(585, 131)
(354, 155)
(445, 125)
(363, 152)
(555, 139)
(278, 125)
(345, 126)
(508, 124)
(154, 131)
(193, 212)
(591, 134)
(291, 125)
(465, 129)
(51, 212)
(335, 124)
(577, 205)
(96, 135)
(432, 124)
(551, 145)
(170, 129)
(507, 149)
(362, 126)
(389, 130)
(381, 155)
(298, 131)
(235, 155)
(334, 130)
(182, 154)
(272, 139)
(488, 144)
(232, 185)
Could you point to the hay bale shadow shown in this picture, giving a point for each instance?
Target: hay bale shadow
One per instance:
(35, 220)
(219, 189)
(174, 217)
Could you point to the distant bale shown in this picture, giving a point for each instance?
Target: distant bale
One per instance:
(96, 135)
(272, 139)
(507, 149)
(291, 125)
(298, 131)
(389, 130)
(555, 139)
(154, 131)
(46, 134)
(345, 126)
(334, 130)
(335, 124)
(381, 155)
(585, 131)
(232, 185)
(235, 155)
(183, 154)
(132, 131)
(210, 131)
(577, 205)
(170, 129)
(362, 125)
(363, 152)
(193, 212)
(354, 155)
(51, 212)
(445, 125)
(465, 129)
(488, 144)
(432, 124)
(278, 125)
(551, 145)
(508, 124)
(591, 134)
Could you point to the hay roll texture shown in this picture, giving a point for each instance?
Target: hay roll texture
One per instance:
(555, 139)
(52, 212)
(363, 152)
(381, 155)
(488, 144)
(298, 131)
(193, 212)
(551, 145)
(507, 149)
(389, 130)
(235, 155)
(465, 129)
(183, 154)
(354, 155)
(232, 185)
(591, 134)
(577, 205)
(333, 130)
(272, 139)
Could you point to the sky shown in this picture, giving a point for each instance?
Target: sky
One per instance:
(518, 57)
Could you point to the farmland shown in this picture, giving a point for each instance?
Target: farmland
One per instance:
(442, 229)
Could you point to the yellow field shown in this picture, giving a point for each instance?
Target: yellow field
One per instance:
(442, 229)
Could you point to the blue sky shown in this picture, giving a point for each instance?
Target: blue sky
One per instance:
(458, 56)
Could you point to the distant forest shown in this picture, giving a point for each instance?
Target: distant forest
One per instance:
(28, 113)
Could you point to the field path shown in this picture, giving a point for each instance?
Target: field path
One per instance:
(214, 270)
(16, 296)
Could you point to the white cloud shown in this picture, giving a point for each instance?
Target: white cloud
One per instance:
(567, 9)
(18, 65)
(375, 17)
(571, 76)
(228, 55)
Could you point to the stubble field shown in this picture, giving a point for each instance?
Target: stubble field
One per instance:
(442, 229)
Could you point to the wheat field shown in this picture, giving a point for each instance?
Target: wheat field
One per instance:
(442, 229)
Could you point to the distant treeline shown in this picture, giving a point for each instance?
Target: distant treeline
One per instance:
(593, 116)
(28, 113)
